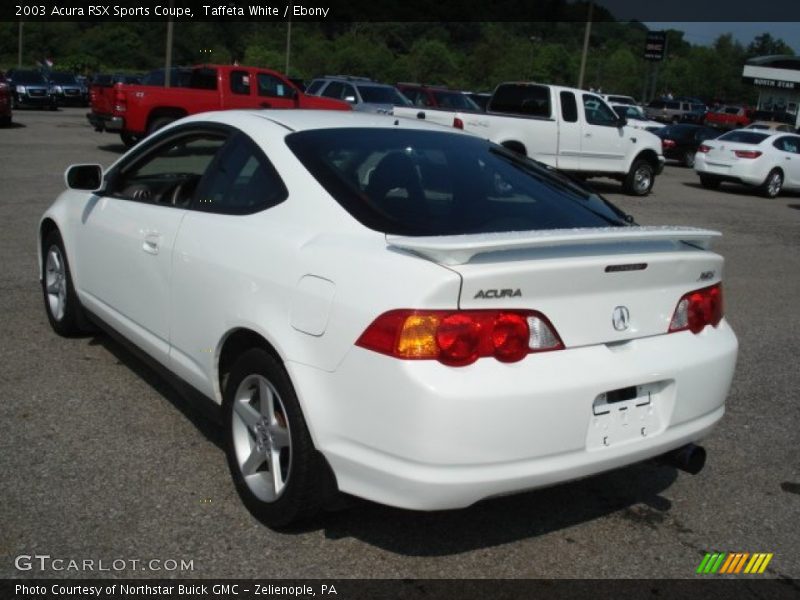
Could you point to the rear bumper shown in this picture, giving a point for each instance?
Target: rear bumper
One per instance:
(105, 122)
(749, 173)
(419, 435)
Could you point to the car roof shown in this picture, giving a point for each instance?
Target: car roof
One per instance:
(304, 120)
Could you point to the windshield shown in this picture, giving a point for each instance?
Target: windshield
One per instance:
(417, 183)
(28, 77)
(378, 94)
(744, 137)
(63, 78)
(630, 112)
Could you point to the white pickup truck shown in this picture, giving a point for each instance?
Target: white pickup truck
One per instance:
(567, 128)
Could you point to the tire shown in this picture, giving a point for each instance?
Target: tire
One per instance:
(773, 184)
(61, 303)
(640, 179)
(158, 123)
(128, 139)
(5, 121)
(688, 159)
(264, 438)
(709, 182)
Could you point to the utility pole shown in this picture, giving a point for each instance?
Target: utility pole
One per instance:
(168, 57)
(586, 35)
(19, 49)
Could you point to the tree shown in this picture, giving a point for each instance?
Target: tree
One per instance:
(766, 45)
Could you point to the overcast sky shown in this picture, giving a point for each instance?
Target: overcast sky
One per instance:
(704, 33)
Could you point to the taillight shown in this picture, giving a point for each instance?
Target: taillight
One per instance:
(460, 337)
(704, 149)
(747, 153)
(458, 123)
(697, 309)
(120, 101)
(668, 143)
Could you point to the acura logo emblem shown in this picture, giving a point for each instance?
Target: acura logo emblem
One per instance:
(621, 318)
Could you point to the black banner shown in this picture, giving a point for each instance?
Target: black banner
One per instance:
(744, 588)
(405, 10)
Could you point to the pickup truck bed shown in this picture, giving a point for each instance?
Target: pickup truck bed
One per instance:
(137, 110)
(566, 128)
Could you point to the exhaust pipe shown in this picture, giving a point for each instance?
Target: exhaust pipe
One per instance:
(689, 458)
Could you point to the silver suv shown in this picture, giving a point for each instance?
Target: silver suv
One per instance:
(361, 93)
(671, 111)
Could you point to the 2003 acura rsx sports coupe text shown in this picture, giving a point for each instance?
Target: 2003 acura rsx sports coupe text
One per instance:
(391, 309)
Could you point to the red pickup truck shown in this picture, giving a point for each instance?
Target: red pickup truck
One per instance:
(729, 117)
(138, 110)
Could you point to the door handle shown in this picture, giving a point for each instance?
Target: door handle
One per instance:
(587, 135)
(265, 105)
(151, 243)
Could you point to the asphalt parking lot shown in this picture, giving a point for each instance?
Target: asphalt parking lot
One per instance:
(100, 459)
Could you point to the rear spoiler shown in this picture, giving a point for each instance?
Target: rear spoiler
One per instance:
(459, 249)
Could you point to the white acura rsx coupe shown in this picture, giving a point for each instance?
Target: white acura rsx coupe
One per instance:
(391, 309)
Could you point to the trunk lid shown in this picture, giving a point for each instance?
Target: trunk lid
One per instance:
(581, 280)
(723, 152)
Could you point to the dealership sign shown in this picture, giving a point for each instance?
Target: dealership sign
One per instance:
(773, 83)
(655, 46)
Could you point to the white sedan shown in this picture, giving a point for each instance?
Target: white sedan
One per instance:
(767, 161)
(391, 309)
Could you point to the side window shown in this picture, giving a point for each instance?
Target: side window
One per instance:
(597, 112)
(349, 94)
(169, 173)
(569, 108)
(201, 79)
(240, 82)
(334, 90)
(275, 87)
(788, 144)
(527, 100)
(240, 181)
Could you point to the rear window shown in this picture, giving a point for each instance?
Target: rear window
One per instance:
(744, 137)
(455, 100)
(528, 100)
(418, 183)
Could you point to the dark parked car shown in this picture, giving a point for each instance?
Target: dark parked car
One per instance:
(438, 97)
(29, 88)
(5, 102)
(680, 141)
(67, 90)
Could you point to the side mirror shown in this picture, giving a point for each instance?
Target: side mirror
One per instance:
(622, 121)
(84, 177)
